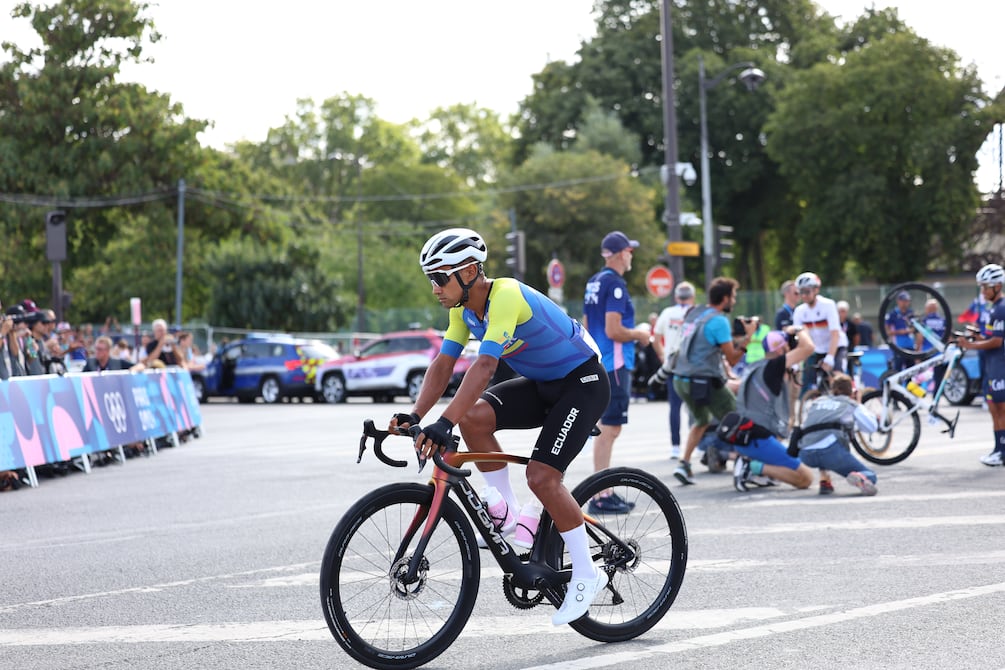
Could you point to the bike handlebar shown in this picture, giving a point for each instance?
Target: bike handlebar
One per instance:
(370, 430)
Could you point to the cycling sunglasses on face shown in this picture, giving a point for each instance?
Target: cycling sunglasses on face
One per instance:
(441, 278)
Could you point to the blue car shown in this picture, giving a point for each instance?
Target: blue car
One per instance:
(270, 367)
(963, 385)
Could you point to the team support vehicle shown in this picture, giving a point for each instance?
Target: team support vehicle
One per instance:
(392, 365)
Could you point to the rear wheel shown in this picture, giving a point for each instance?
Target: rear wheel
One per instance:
(270, 390)
(900, 437)
(914, 346)
(377, 615)
(645, 559)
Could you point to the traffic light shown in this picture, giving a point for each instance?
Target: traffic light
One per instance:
(723, 244)
(516, 259)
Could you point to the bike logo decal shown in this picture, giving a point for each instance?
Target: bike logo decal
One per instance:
(484, 518)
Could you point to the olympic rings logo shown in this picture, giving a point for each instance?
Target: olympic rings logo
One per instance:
(115, 408)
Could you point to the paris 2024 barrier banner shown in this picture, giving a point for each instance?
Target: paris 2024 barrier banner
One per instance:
(47, 419)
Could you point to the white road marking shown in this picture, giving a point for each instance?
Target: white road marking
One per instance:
(601, 660)
(530, 624)
(855, 524)
(151, 588)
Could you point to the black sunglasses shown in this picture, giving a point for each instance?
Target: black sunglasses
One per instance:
(441, 278)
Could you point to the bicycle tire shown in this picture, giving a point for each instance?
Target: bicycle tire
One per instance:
(920, 293)
(649, 585)
(888, 448)
(377, 619)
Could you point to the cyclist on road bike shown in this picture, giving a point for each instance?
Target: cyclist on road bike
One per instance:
(819, 316)
(989, 342)
(563, 389)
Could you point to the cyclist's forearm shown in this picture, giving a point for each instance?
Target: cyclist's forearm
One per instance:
(434, 384)
(475, 381)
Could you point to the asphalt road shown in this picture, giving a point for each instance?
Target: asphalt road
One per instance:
(206, 556)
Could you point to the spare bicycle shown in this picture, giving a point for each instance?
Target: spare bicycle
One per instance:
(401, 570)
(899, 402)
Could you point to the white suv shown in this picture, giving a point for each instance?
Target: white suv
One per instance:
(393, 365)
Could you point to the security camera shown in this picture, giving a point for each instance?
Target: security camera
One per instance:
(688, 174)
(752, 77)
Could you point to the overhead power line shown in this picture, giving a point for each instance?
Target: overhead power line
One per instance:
(86, 203)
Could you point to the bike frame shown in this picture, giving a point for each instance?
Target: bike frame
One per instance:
(948, 354)
(447, 475)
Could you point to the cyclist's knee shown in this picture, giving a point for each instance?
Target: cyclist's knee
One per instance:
(479, 420)
(542, 479)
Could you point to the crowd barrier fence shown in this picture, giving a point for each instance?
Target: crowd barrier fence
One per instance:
(52, 418)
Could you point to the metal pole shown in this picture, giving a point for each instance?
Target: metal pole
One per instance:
(706, 181)
(180, 252)
(671, 213)
(57, 289)
(360, 284)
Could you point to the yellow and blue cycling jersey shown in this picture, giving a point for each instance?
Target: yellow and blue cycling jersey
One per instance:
(534, 336)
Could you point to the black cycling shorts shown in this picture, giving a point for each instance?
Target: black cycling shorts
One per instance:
(566, 409)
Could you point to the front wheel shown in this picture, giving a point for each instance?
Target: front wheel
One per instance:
(376, 614)
(957, 387)
(899, 431)
(645, 559)
(333, 388)
(414, 384)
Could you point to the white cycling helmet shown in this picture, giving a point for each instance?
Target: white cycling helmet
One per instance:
(991, 274)
(807, 280)
(452, 247)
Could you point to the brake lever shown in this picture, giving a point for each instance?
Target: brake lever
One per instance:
(413, 432)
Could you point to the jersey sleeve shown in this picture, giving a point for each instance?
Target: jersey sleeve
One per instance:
(457, 334)
(507, 309)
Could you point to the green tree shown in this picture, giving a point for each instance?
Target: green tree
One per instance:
(579, 198)
(880, 152)
(466, 139)
(274, 287)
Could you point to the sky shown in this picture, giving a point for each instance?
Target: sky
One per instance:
(244, 65)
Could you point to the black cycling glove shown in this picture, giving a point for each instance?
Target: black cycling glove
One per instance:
(439, 432)
(412, 419)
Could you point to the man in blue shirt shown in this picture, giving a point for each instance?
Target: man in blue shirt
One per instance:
(609, 316)
(898, 326)
(991, 279)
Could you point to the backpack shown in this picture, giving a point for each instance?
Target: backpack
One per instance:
(674, 336)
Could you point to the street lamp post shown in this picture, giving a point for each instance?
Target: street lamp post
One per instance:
(752, 77)
(671, 212)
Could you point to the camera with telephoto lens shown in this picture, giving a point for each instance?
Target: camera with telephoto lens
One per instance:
(16, 314)
(739, 325)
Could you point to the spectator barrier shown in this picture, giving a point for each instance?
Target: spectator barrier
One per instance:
(51, 418)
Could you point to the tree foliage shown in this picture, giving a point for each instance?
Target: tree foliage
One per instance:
(881, 152)
(587, 196)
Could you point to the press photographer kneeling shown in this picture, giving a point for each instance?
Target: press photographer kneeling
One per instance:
(762, 413)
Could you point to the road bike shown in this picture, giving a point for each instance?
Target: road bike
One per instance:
(899, 401)
(401, 570)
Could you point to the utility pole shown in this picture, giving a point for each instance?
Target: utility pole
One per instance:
(671, 212)
(180, 253)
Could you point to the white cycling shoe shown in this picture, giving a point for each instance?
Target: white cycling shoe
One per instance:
(579, 597)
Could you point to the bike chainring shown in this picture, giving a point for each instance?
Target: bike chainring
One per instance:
(520, 598)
